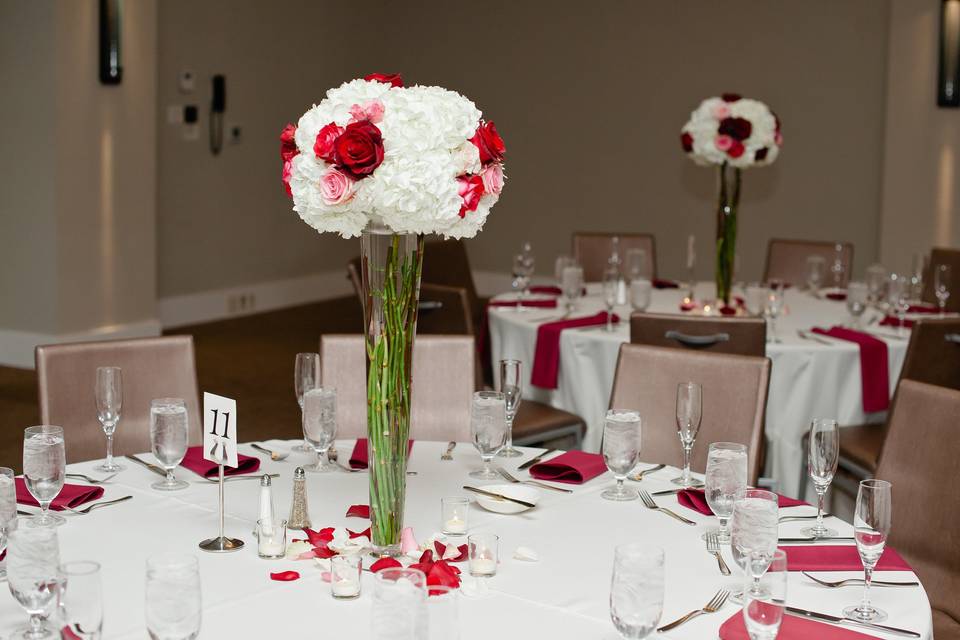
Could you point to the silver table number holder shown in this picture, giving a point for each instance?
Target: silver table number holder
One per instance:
(221, 544)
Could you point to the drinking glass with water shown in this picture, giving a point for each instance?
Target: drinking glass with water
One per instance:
(44, 463)
(169, 428)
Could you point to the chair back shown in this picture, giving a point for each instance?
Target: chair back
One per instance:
(442, 386)
(933, 354)
(734, 400)
(951, 257)
(161, 367)
(446, 263)
(743, 336)
(787, 260)
(593, 249)
(920, 459)
(353, 275)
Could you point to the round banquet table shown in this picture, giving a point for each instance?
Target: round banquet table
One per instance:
(808, 379)
(563, 595)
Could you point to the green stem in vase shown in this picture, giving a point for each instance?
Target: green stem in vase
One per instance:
(729, 199)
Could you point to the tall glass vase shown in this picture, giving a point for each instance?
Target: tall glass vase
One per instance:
(729, 189)
(391, 266)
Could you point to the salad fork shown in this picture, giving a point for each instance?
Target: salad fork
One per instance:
(713, 548)
(713, 606)
(650, 504)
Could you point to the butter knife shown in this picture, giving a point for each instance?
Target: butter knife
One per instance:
(671, 492)
(499, 496)
(823, 617)
(535, 459)
(152, 467)
(808, 539)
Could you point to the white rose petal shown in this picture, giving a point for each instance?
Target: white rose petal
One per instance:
(527, 554)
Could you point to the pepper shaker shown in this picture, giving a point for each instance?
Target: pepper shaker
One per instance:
(299, 517)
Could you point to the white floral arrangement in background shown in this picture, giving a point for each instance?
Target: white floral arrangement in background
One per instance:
(732, 130)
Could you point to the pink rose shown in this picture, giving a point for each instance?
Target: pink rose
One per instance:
(371, 110)
(336, 187)
(470, 189)
(778, 139)
(723, 142)
(720, 111)
(326, 138)
(492, 176)
(285, 176)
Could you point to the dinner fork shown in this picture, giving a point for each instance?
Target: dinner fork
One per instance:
(97, 505)
(875, 583)
(807, 335)
(792, 518)
(89, 479)
(509, 478)
(713, 548)
(650, 504)
(639, 476)
(713, 606)
(448, 454)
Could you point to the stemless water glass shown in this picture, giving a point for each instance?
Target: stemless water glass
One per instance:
(168, 438)
(611, 289)
(871, 526)
(838, 269)
(753, 535)
(726, 480)
(689, 413)
(306, 376)
(44, 463)
(511, 386)
(173, 609)
(399, 604)
(621, 450)
(320, 425)
(763, 609)
(822, 458)
(33, 557)
(858, 296)
(108, 392)
(81, 603)
(816, 265)
(636, 589)
(773, 305)
(8, 511)
(941, 285)
(572, 284)
(488, 428)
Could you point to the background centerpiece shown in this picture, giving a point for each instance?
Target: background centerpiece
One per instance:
(734, 133)
(390, 164)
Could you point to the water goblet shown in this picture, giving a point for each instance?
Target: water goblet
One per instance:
(756, 295)
(689, 414)
(621, 450)
(636, 264)
(33, 558)
(399, 604)
(872, 521)
(816, 265)
(640, 291)
(108, 392)
(876, 282)
(822, 457)
(919, 264)
(773, 305)
(572, 285)
(320, 425)
(306, 376)
(81, 600)
(726, 480)
(44, 463)
(763, 609)
(898, 296)
(636, 589)
(941, 286)
(753, 535)
(858, 296)
(838, 269)
(8, 511)
(611, 290)
(488, 429)
(560, 264)
(523, 264)
(173, 602)
(511, 385)
(169, 428)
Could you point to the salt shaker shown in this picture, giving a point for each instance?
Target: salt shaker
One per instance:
(268, 514)
(299, 518)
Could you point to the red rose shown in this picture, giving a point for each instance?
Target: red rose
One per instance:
(326, 138)
(359, 149)
(489, 143)
(687, 141)
(736, 128)
(393, 79)
(736, 149)
(730, 97)
(470, 189)
(288, 146)
(761, 154)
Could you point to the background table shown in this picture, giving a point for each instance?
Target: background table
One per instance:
(563, 596)
(807, 379)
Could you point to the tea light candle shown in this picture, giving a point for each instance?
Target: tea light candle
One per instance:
(455, 525)
(343, 587)
(483, 549)
(483, 567)
(453, 515)
(345, 577)
(271, 539)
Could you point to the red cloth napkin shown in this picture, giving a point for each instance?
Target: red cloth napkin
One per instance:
(894, 321)
(195, 462)
(696, 499)
(359, 459)
(838, 558)
(547, 304)
(792, 628)
(548, 290)
(659, 283)
(546, 355)
(874, 373)
(837, 295)
(575, 467)
(72, 495)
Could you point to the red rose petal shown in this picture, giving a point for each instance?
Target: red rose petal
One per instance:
(736, 149)
(319, 537)
(393, 79)
(359, 511)
(285, 576)
(324, 552)
(361, 534)
(442, 549)
(384, 563)
(426, 556)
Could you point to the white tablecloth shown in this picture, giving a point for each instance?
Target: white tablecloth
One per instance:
(563, 596)
(807, 379)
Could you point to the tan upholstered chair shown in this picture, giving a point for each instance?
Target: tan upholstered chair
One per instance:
(734, 400)
(787, 260)
(920, 460)
(161, 367)
(743, 336)
(592, 250)
(951, 257)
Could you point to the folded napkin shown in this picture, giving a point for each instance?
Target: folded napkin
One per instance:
(546, 354)
(874, 373)
(552, 290)
(792, 628)
(71, 495)
(696, 499)
(359, 459)
(836, 295)
(893, 321)
(195, 461)
(660, 283)
(548, 304)
(815, 557)
(923, 308)
(575, 467)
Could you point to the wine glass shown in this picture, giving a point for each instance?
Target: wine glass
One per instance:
(636, 264)
(621, 450)
(488, 428)
(815, 268)
(511, 385)
(763, 610)
(611, 289)
(689, 413)
(572, 284)
(898, 296)
(753, 535)
(871, 526)
(8, 511)
(81, 605)
(772, 306)
(44, 463)
(399, 604)
(916, 275)
(822, 458)
(108, 391)
(168, 439)
(320, 425)
(636, 589)
(838, 269)
(173, 604)
(523, 264)
(33, 557)
(941, 286)
(858, 295)
(306, 376)
(726, 480)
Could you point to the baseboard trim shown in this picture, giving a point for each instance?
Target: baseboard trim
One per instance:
(17, 347)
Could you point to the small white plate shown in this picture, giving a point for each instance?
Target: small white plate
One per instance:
(518, 491)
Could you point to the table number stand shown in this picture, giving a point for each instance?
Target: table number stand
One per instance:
(221, 449)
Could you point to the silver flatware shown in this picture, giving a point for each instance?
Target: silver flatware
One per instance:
(673, 492)
(97, 505)
(275, 456)
(650, 504)
(448, 454)
(509, 478)
(639, 476)
(255, 476)
(792, 518)
(80, 476)
(143, 463)
(713, 548)
(499, 496)
(535, 459)
(809, 539)
(807, 335)
(352, 470)
(713, 606)
(873, 583)
(823, 617)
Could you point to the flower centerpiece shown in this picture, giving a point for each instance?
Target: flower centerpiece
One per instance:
(732, 133)
(390, 164)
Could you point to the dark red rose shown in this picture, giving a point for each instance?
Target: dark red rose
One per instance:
(392, 79)
(761, 154)
(288, 146)
(736, 149)
(359, 149)
(489, 143)
(736, 128)
(687, 141)
(326, 137)
(471, 190)
(730, 97)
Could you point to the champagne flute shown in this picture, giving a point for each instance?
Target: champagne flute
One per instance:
(872, 521)
(726, 480)
(822, 458)
(838, 270)
(81, 605)
(773, 305)
(33, 576)
(44, 463)
(763, 609)
(320, 425)
(511, 385)
(168, 439)
(636, 589)
(108, 392)
(689, 413)
(488, 428)
(754, 534)
(611, 289)
(306, 376)
(173, 608)
(941, 286)
(621, 450)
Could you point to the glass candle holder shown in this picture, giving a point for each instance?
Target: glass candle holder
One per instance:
(345, 576)
(453, 515)
(271, 539)
(484, 550)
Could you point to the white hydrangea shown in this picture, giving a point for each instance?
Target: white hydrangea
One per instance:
(708, 145)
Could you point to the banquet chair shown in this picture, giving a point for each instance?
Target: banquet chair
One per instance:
(743, 336)
(921, 467)
(592, 250)
(787, 260)
(734, 400)
(161, 367)
(951, 257)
